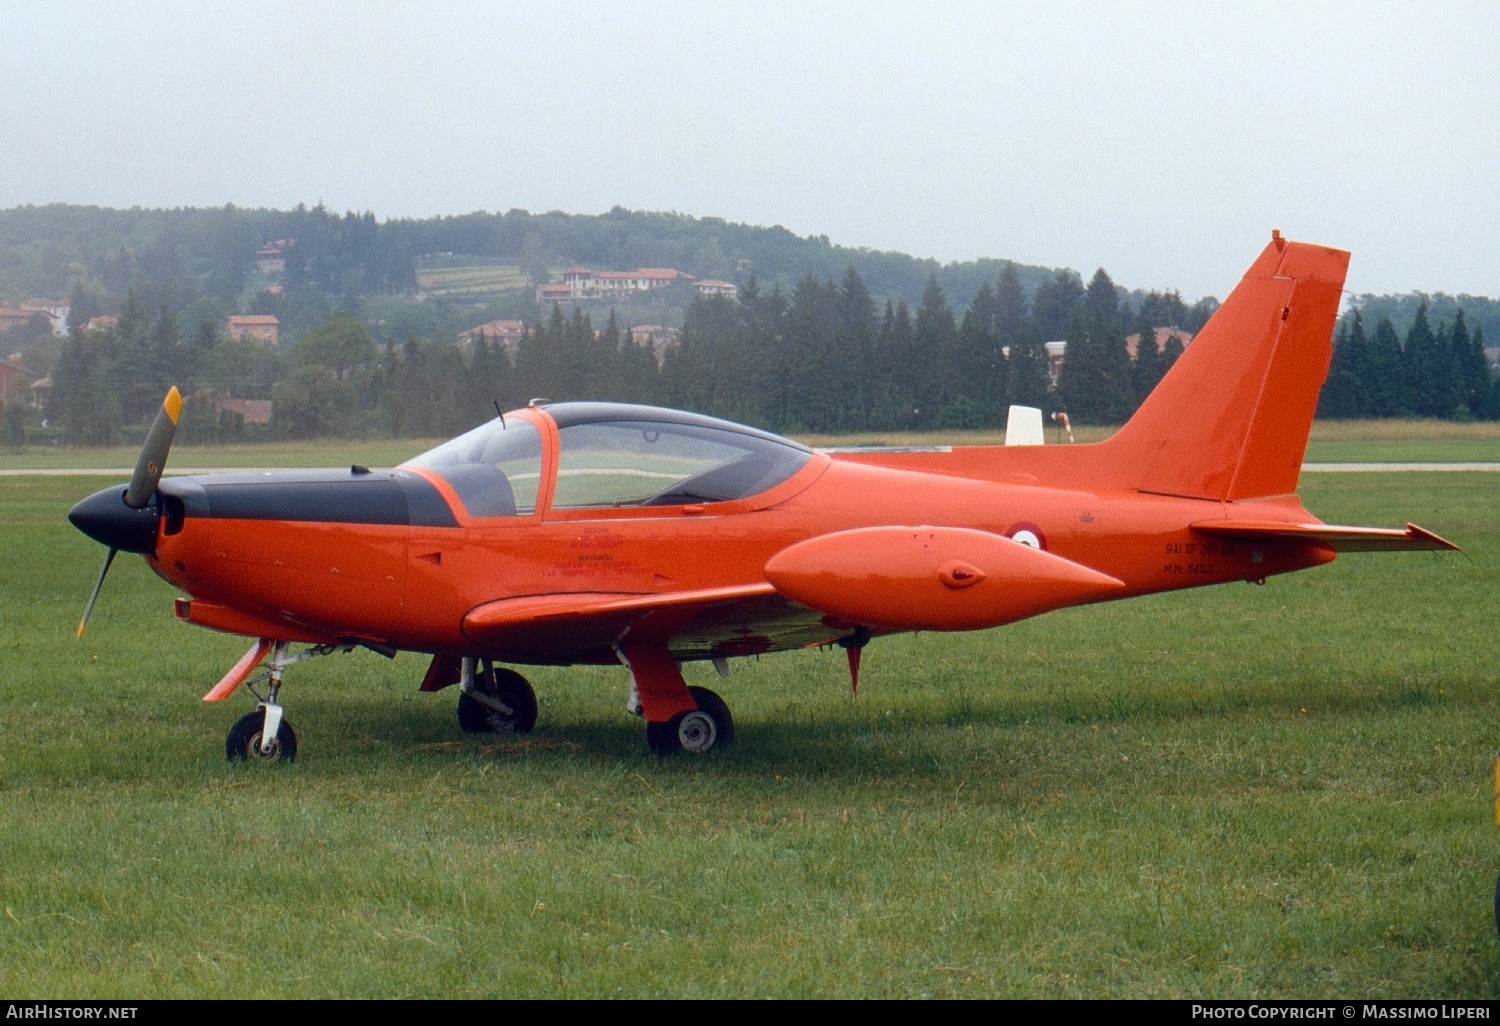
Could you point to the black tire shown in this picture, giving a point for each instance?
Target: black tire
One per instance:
(243, 741)
(510, 688)
(700, 731)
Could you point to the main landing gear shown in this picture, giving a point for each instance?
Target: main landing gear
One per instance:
(699, 730)
(494, 700)
(678, 718)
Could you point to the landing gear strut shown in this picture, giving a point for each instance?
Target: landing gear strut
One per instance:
(678, 718)
(494, 700)
(264, 736)
(699, 730)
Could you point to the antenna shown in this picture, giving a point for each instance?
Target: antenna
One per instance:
(498, 413)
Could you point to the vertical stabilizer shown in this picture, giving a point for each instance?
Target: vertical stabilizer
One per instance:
(1230, 420)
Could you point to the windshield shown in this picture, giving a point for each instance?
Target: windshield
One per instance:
(496, 469)
(652, 463)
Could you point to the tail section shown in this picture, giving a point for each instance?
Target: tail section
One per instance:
(1230, 420)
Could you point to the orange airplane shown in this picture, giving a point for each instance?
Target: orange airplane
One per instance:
(606, 533)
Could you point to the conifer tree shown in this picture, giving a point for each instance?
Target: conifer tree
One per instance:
(1096, 382)
(1418, 371)
(1489, 406)
(1384, 390)
(1170, 353)
(854, 342)
(1148, 368)
(1343, 396)
(1054, 303)
(934, 340)
(1009, 320)
(980, 368)
(1026, 370)
(968, 402)
(1473, 368)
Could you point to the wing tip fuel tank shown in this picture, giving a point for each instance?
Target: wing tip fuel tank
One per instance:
(931, 578)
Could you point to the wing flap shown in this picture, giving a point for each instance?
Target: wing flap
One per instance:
(1333, 536)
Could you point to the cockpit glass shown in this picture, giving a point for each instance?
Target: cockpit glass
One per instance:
(496, 469)
(650, 463)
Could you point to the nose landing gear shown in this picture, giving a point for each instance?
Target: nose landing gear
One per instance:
(263, 735)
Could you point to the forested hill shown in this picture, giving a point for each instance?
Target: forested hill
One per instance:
(172, 256)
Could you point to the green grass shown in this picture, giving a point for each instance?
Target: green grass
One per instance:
(1279, 791)
(385, 452)
(1411, 450)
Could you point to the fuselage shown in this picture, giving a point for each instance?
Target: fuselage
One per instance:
(394, 558)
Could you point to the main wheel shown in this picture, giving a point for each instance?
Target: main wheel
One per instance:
(511, 690)
(243, 741)
(699, 730)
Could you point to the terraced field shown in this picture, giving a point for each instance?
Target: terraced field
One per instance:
(473, 277)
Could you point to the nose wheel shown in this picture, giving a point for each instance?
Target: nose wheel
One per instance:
(245, 741)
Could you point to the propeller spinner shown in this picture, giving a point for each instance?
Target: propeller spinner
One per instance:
(126, 521)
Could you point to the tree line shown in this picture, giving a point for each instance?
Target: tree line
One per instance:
(824, 357)
(1438, 372)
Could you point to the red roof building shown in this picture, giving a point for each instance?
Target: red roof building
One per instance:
(1133, 342)
(250, 411)
(507, 333)
(15, 316)
(15, 382)
(261, 327)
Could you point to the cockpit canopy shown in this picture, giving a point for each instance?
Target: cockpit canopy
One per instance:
(612, 455)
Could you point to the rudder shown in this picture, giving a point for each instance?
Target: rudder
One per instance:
(1231, 419)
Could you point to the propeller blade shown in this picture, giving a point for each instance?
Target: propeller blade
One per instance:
(108, 559)
(153, 458)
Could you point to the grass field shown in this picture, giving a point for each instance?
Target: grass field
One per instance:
(1278, 791)
(468, 277)
(1331, 441)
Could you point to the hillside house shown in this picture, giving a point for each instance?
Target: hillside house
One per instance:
(556, 294)
(260, 327)
(658, 336)
(506, 333)
(15, 382)
(250, 411)
(55, 310)
(581, 284)
(269, 259)
(710, 287)
(15, 316)
(1132, 342)
(1057, 351)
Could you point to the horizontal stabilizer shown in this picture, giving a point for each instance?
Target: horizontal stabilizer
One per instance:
(1340, 539)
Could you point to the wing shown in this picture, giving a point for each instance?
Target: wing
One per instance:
(887, 579)
(586, 627)
(1340, 539)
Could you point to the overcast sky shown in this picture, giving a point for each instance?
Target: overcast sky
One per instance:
(1160, 141)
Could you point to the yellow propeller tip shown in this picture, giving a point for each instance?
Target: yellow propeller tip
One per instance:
(173, 403)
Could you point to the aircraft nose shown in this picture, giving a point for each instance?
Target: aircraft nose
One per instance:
(105, 518)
